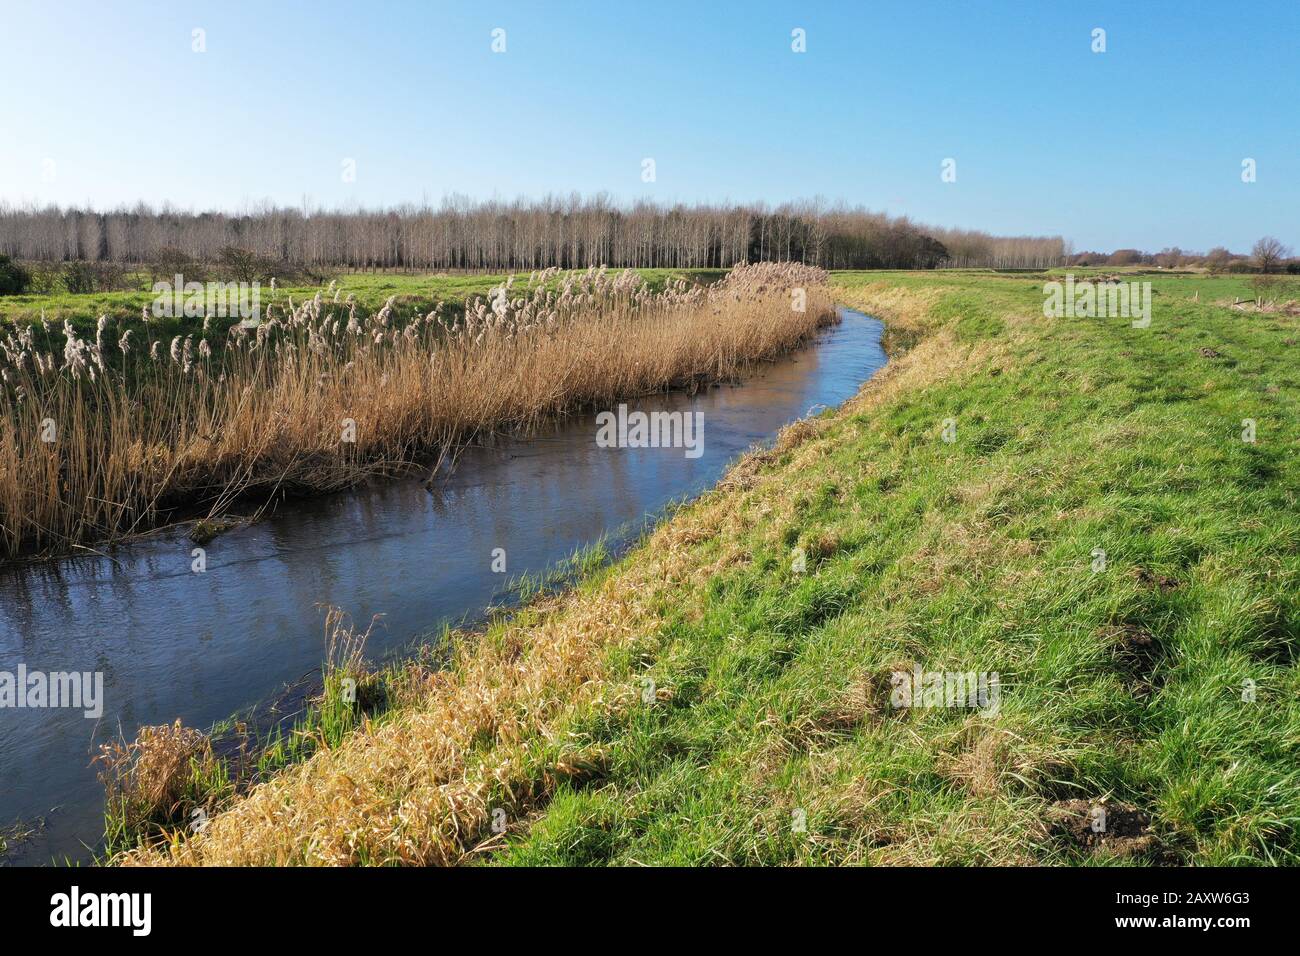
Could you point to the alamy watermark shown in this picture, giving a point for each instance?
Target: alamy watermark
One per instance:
(1105, 300)
(194, 300)
(37, 689)
(973, 690)
(130, 910)
(626, 429)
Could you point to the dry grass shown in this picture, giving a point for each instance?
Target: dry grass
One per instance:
(420, 789)
(154, 776)
(317, 397)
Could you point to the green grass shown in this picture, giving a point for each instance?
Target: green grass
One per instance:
(1121, 688)
(417, 294)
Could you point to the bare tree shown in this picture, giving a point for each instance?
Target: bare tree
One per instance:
(1217, 260)
(568, 231)
(1267, 253)
(241, 265)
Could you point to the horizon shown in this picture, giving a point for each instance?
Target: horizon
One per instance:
(865, 115)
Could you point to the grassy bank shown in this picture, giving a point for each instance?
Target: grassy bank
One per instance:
(1097, 533)
(123, 432)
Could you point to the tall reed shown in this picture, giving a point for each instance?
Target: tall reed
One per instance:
(123, 433)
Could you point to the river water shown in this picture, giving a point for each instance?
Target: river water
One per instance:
(172, 643)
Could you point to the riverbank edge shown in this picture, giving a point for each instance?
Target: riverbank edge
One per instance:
(905, 323)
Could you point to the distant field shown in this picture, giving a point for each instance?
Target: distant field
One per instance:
(415, 294)
(1175, 285)
(420, 293)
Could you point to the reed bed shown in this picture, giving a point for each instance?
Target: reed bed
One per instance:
(126, 432)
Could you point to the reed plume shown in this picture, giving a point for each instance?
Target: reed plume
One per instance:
(124, 433)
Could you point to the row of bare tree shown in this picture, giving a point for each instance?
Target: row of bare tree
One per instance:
(570, 232)
(1267, 256)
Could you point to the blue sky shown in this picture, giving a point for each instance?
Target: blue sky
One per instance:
(1139, 146)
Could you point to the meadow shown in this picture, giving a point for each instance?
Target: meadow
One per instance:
(117, 427)
(412, 294)
(1102, 516)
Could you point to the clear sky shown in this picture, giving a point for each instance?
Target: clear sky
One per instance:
(1142, 145)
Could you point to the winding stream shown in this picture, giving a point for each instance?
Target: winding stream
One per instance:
(172, 643)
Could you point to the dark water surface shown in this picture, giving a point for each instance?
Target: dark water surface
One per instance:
(175, 644)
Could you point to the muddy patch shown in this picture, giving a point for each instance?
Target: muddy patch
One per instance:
(1108, 828)
(1137, 654)
(1149, 579)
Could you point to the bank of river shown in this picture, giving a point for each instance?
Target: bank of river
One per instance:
(172, 643)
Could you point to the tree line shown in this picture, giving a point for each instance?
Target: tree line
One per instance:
(1267, 256)
(569, 232)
